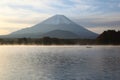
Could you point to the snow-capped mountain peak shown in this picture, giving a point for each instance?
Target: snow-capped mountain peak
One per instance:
(57, 26)
(57, 19)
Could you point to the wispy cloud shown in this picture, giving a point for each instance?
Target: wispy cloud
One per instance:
(24, 13)
(100, 23)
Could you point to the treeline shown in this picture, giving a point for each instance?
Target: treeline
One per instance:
(106, 38)
(47, 41)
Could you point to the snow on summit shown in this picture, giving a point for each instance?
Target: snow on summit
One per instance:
(58, 19)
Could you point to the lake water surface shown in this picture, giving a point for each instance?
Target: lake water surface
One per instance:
(59, 63)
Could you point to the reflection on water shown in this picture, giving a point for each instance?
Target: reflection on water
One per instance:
(59, 63)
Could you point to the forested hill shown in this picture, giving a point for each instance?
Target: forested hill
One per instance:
(109, 37)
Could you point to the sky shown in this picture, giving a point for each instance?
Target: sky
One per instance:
(95, 15)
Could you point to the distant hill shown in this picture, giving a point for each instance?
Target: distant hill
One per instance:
(57, 26)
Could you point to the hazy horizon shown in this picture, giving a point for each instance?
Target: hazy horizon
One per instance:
(94, 15)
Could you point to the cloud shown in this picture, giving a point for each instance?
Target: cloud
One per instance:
(44, 6)
(18, 14)
(119, 5)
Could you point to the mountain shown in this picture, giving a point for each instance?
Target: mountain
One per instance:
(55, 26)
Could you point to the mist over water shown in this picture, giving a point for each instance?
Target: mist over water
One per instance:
(59, 63)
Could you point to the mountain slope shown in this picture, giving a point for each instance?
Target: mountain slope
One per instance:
(61, 34)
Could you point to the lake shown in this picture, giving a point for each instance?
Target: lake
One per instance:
(59, 62)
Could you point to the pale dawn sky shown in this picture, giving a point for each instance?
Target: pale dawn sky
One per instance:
(95, 15)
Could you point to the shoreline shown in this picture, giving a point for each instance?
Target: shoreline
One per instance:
(55, 45)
